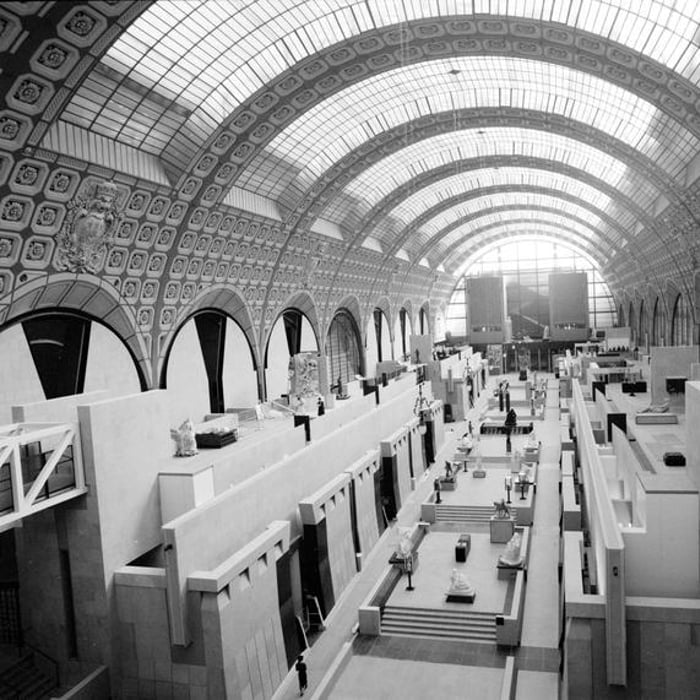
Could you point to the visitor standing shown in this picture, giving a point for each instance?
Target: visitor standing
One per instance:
(301, 673)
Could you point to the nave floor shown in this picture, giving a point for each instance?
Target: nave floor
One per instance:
(364, 668)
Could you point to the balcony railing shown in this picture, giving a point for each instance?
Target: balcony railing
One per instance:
(40, 466)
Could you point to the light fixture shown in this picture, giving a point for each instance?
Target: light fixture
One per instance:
(422, 404)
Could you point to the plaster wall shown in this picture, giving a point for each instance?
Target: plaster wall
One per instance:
(692, 434)
(387, 348)
(423, 344)
(240, 512)
(654, 567)
(308, 337)
(277, 367)
(109, 364)
(403, 465)
(438, 418)
(371, 349)
(362, 473)
(671, 361)
(245, 655)
(416, 448)
(187, 383)
(123, 446)
(18, 376)
(341, 552)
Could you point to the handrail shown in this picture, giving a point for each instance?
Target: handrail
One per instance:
(53, 664)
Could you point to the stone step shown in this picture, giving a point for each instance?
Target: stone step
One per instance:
(431, 613)
(431, 627)
(24, 681)
(439, 624)
(438, 633)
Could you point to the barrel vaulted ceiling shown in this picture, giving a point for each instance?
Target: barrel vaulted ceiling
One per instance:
(343, 149)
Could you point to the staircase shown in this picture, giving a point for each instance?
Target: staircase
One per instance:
(24, 681)
(467, 514)
(456, 625)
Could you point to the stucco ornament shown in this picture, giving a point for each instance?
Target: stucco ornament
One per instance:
(91, 220)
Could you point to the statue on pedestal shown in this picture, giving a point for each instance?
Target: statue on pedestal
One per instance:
(502, 510)
(185, 442)
(511, 555)
(460, 585)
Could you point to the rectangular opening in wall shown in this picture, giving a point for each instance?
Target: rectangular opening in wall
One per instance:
(68, 605)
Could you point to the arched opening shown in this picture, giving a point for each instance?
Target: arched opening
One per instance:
(680, 322)
(209, 368)
(658, 323)
(632, 322)
(621, 317)
(423, 321)
(343, 349)
(402, 332)
(50, 354)
(291, 334)
(642, 327)
(378, 341)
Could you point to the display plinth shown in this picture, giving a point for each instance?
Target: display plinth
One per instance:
(502, 529)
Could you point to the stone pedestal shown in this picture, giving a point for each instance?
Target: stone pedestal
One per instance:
(502, 529)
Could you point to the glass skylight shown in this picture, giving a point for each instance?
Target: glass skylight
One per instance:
(183, 65)
(377, 182)
(518, 201)
(431, 196)
(332, 129)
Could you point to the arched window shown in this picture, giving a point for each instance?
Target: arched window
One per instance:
(343, 348)
(680, 322)
(621, 316)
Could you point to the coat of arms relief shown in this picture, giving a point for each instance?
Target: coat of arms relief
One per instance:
(89, 225)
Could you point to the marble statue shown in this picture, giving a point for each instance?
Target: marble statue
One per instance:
(511, 555)
(404, 546)
(460, 584)
(185, 442)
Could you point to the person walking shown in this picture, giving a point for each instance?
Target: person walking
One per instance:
(301, 673)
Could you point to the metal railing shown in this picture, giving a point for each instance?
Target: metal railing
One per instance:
(40, 466)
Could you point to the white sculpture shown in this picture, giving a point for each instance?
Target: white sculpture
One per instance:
(511, 555)
(459, 583)
(185, 442)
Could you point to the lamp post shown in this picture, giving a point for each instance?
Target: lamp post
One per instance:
(509, 486)
(408, 565)
(522, 480)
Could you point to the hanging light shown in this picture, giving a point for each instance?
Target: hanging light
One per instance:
(422, 404)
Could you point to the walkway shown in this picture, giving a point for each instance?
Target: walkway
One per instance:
(442, 664)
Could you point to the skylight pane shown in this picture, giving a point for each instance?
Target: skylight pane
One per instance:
(202, 37)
